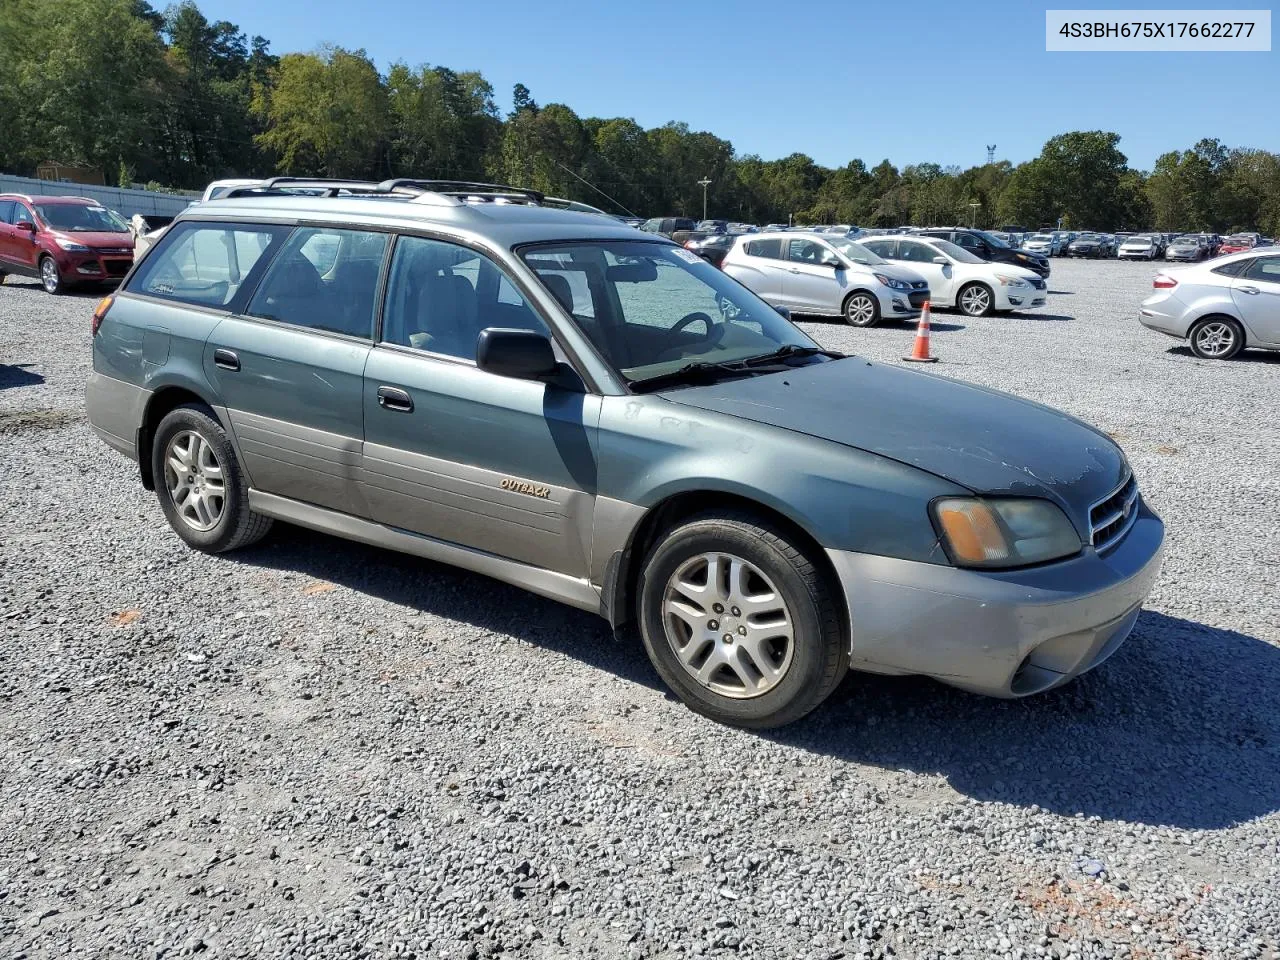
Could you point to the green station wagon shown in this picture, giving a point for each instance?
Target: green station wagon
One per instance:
(473, 374)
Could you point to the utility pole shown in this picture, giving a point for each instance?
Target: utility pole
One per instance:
(705, 183)
(973, 214)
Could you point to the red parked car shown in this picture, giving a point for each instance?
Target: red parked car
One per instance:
(62, 241)
(1239, 243)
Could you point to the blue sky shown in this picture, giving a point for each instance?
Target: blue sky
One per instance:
(918, 81)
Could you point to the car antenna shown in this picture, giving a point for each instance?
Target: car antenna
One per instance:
(630, 213)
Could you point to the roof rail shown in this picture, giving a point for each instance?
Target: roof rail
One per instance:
(460, 188)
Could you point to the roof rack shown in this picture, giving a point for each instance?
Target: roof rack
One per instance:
(456, 190)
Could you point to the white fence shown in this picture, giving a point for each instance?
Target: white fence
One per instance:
(127, 202)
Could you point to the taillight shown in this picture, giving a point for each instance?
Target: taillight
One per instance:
(1164, 282)
(100, 311)
(688, 244)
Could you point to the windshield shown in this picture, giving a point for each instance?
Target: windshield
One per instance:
(1041, 238)
(1240, 238)
(80, 218)
(992, 239)
(956, 253)
(1187, 241)
(1145, 241)
(651, 308)
(855, 251)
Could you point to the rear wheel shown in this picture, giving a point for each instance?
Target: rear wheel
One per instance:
(862, 309)
(202, 491)
(740, 622)
(1216, 338)
(50, 278)
(975, 300)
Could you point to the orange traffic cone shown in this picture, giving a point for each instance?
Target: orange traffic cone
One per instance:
(920, 352)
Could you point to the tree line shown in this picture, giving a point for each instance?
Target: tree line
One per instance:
(167, 97)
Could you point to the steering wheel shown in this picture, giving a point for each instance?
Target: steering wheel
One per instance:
(714, 330)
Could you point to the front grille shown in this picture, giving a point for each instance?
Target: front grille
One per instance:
(918, 298)
(1110, 519)
(1038, 283)
(920, 285)
(117, 268)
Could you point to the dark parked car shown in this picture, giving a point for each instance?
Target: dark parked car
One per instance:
(712, 226)
(62, 241)
(713, 248)
(1092, 245)
(986, 246)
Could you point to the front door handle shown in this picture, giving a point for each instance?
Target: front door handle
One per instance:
(393, 398)
(226, 359)
(795, 269)
(1252, 291)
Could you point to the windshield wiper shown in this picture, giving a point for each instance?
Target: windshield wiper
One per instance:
(697, 372)
(790, 350)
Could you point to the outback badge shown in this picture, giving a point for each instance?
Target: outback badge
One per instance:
(525, 487)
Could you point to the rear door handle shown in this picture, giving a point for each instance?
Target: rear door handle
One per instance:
(795, 269)
(1253, 291)
(393, 398)
(226, 359)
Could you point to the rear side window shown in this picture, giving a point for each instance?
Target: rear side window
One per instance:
(771, 249)
(206, 264)
(6, 211)
(324, 279)
(1230, 269)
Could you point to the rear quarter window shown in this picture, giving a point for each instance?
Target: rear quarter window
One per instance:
(205, 264)
(770, 249)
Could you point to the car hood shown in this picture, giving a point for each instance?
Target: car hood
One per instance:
(985, 440)
(98, 240)
(895, 271)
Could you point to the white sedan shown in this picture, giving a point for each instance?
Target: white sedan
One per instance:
(959, 279)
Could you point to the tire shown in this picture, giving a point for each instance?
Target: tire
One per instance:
(803, 668)
(861, 309)
(190, 435)
(1216, 338)
(975, 299)
(50, 278)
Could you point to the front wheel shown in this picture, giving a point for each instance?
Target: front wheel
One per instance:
(50, 278)
(862, 309)
(975, 300)
(1216, 338)
(202, 490)
(740, 621)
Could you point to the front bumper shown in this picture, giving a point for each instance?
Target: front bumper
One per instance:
(94, 265)
(1003, 634)
(896, 303)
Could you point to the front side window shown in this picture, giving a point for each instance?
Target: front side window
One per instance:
(441, 295)
(81, 218)
(205, 264)
(956, 253)
(21, 214)
(881, 248)
(806, 251)
(1266, 269)
(916, 252)
(324, 279)
(654, 308)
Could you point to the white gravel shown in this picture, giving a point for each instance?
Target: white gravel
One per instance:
(317, 749)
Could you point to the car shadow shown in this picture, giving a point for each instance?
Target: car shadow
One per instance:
(1244, 356)
(1062, 293)
(1041, 317)
(1177, 729)
(17, 375)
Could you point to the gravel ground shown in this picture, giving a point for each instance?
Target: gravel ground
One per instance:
(317, 749)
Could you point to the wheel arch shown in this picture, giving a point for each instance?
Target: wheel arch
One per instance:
(162, 401)
(624, 568)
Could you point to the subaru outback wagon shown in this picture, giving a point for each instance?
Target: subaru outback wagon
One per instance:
(465, 373)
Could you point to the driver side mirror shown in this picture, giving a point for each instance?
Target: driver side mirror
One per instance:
(783, 312)
(26, 226)
(830, 261)
(522, 354)
(942, 261)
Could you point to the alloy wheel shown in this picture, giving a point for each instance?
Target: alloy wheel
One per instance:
(861, 311)
(728, 625)
(975, 301)
(49, 274)
(194, 479)
(1216, 339)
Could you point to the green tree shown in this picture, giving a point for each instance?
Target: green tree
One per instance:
(325, 114)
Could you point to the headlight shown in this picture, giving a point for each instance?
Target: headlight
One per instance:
(1003, 532)
(70, 245)
(1011, 281)
(891, 282)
